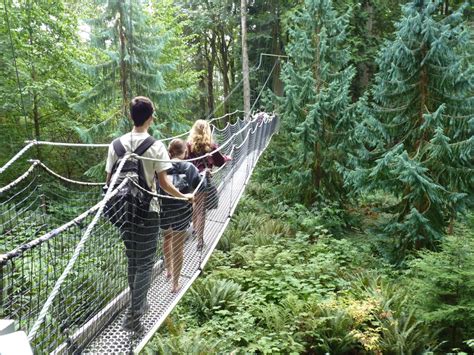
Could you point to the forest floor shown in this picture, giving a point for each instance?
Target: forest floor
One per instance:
(288, 279)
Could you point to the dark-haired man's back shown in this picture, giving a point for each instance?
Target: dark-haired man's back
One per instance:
(141, 236)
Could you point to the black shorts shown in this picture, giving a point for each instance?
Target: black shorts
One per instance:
(176, 217)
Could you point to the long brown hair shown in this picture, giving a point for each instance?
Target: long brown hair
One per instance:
(200, 137)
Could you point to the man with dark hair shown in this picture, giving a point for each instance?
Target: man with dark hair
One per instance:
(141, 108)
(140, 236)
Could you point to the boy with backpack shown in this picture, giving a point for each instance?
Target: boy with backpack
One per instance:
(132, 209)
(176, 214)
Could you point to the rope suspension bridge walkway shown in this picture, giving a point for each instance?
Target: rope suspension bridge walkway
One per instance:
(63, 270)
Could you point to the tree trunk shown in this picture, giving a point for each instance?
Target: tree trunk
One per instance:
(232, 82)
(365, 67)
(202, 81)
(129, 35)
(36, 114)
(317, 169)
(123, 65)
(232, 71)
(211, 60)
(245, 58)
(424, 105)
(224, 49)
(451, 225)
(277, 83)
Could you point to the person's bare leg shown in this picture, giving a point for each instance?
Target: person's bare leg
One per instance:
(177, 254)
(167, 251)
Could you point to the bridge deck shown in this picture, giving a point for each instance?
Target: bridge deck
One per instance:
(112, 338)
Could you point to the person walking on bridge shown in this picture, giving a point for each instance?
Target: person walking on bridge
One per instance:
(140, 231)
(176, 214)
(200, 142)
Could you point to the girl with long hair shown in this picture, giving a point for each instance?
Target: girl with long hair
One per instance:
(200, 143)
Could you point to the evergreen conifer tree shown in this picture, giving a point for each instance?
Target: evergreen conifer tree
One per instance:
(417, 137)
(317, 106)
(132, 47)
(443, 286)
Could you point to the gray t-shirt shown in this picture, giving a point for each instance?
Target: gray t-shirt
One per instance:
(130, 142)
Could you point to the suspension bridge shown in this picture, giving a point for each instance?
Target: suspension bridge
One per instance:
(63, 276)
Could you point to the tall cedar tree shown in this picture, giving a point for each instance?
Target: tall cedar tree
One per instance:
(317, 105)
(418, 135)
(133, 47)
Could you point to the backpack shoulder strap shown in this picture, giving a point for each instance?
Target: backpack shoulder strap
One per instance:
(118, 148)
(143, 147)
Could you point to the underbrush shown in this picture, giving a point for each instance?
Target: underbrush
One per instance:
(289, 279)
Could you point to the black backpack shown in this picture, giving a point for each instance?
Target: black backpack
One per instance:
(180, 182)
(129, 206)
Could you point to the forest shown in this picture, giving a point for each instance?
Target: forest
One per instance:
(356, 232)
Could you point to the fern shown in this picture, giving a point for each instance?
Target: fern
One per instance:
(208, 296)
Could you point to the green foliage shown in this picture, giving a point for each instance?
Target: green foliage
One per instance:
(44, 42)
(304, 291)
(196, 343)
(43, 46)
(210, 296)
(34, 207)
(140, 50)
(399, 327)
(371, 22)
(325, 328)
(470, 343)
(243, 231)
(321, 218)
(444, 287)
(86, 290)
(292, 274)
(416, 139)
(317, 106)
(181, 76)
(267, 35)
(16, 231)
(213, 29)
